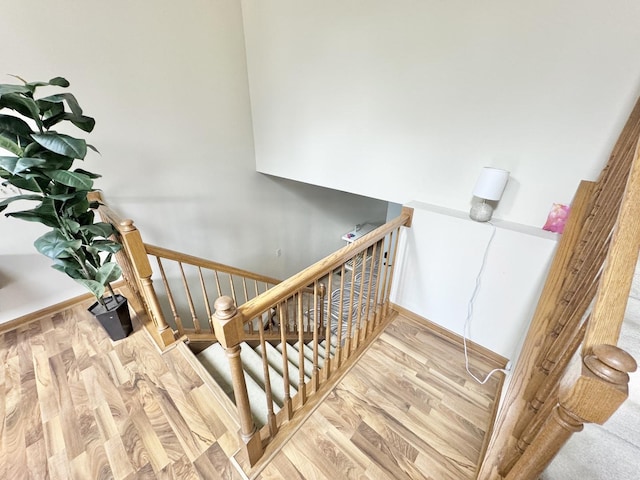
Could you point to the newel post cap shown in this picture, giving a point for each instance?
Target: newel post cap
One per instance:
(227, 322)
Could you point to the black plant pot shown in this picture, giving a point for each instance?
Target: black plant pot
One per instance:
(115, 317)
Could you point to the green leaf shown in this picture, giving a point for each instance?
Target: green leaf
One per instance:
(31, 216)
(79, 208)
(59, 82)
(105, 246)
(32, 149)
(62, 144)
(31, 184)
(54, 245)
(86, 218)
(50, 113)
(71, 179)
(74, 273)
(94, 287)
(70, 266)
(8, 88)
(100, 229)
(69, 98)
(10, 146)
(88, 174)
(7, 201)
(65, 196)
(55, 161)
(24, 105)
(15, 129)
(72, 225)
(81, 121)
(15, 165)
(43, 213)
(109, 272)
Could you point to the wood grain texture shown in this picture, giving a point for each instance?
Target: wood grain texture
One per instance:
(407, 410)
(75, 405)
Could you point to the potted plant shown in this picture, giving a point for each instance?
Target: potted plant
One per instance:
(40, 163)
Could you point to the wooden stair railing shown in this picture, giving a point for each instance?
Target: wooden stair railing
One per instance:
(358, 281)
(181, 277)
(570, 370)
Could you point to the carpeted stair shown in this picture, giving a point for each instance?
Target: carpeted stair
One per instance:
(215, 361)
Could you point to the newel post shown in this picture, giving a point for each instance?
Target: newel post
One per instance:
(137, 253)
(228, 327)
(591, 391)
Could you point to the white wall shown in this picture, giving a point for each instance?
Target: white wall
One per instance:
(407, 100)
(167, 84)
(442, 256)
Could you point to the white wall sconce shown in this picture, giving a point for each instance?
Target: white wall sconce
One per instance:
(488, 191)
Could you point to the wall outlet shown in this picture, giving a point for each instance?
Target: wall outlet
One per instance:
(7, 191)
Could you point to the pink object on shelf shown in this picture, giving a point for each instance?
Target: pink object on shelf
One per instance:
(557, 218)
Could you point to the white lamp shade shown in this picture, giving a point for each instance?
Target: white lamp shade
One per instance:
(491, 183)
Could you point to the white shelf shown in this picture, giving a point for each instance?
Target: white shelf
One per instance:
(359, 232)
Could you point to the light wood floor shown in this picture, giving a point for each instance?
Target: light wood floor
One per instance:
(77, 406)
(407, 410)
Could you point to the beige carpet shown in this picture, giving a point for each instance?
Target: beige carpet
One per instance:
(610, 451)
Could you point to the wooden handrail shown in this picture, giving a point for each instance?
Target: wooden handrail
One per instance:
(582, 305)
(306, 277)
(366, 305)
(204, 263)
(611, 300)
(137, 270)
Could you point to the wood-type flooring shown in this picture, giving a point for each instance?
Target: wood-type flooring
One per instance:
(75, 405)
(407, 410)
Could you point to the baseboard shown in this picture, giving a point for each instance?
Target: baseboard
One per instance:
(489, 355)
(48, 311)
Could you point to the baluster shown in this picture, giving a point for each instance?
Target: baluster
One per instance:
(302, 389)
(590, 392)
(244, 289)
(132, 241)
(205, 296)
(218, 287)
(287, 407)
(532, 430)
(385, 276)
(376, 297)
(322, 292)
(549, 383)
(327, 325)
(271, 418)
(192, 308)
(361, 299)
(393, 243)
(349, 334)
(339, 349)
(370, 287)
(316, 368)
(172, 303)
(233, 289)
(229, 332)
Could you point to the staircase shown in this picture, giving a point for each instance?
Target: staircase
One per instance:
(216, 362)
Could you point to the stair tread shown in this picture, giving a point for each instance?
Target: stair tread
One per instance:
(274, 357)
(214, 359)
(308, 353)
(252, 363)
(294, 357)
